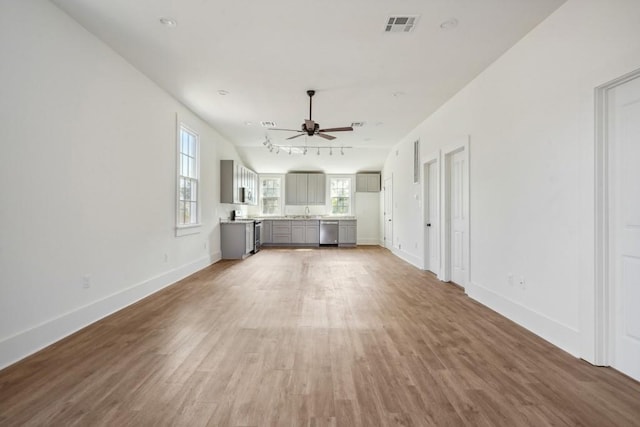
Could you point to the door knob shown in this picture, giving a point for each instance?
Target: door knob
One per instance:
(429, 224)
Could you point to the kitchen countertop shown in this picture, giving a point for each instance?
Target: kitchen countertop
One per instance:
(287, 218)
(304, 218)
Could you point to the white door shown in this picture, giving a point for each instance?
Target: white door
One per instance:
(624, 228)
(431, 235)
(388, 213)
(458, 213)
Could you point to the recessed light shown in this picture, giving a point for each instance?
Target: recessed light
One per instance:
(248, 124)
(398, 94)
(168, 22)
(223, 92)
(449, 24)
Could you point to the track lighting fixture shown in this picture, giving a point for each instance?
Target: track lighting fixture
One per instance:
(300, 149)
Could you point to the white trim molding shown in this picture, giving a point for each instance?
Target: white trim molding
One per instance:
(23, 344)
(596, 301)
(462, 143)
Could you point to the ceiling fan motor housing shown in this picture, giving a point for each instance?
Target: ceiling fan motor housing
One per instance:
(311, 131)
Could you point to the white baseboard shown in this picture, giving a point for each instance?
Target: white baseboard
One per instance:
(558, 334)
(411, 259)
(30, 341)
(365, 242)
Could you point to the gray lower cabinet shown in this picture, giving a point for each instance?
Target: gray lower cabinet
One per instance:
(281, 232)
(236, 240)
(312, 233)
(297, 232)
(294, 232)
(347, 232)
(266, 236)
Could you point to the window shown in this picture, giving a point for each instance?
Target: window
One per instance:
(340, 194)
(188, 208)
(270, 195)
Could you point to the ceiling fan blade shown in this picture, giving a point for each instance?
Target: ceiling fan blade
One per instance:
(289, 130)
(295, 136)
(343, 129)
(325, 136)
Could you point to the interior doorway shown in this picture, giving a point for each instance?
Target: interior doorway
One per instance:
(388, 213)
(431, 215)
(455, 212)
(617, 289)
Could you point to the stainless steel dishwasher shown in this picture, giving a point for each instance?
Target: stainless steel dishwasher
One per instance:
(328, 232)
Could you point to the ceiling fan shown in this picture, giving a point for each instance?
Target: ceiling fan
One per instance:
(311, 128)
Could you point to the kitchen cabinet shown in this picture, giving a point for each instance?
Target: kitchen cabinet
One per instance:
(281, 232)
(305, 189)
(305, 233)
(266, 236)
(312, 233)
(368, 182)
(347, 233)
(238, 184)
(297, 232)
(236, 239)
(316, 188)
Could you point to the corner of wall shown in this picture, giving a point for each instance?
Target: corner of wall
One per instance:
(558, 334)
(25, 343)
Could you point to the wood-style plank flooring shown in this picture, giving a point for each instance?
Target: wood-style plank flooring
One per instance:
(324, 337)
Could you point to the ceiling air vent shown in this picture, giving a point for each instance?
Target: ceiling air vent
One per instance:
(357, 124)
(268, 124)
(401, 24)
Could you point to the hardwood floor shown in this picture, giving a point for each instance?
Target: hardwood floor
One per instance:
(326, 337)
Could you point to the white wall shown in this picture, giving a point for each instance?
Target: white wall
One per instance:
(530, 118)
(87, 181)
(367, 212)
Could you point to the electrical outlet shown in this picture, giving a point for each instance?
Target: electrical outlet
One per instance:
(510, 279)
(399, 245)
(86, 281)
(523, 283)
(166, 258)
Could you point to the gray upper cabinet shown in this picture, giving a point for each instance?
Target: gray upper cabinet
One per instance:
(305, 189)
(368, 182)
(238, 184)
(316, 188)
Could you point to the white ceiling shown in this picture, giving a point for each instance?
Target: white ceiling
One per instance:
(267, 54)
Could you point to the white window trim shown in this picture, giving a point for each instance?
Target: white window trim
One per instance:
(187, 229)
(282, 184)
(352, 194)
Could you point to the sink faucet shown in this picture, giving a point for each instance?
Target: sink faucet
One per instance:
(306, 210)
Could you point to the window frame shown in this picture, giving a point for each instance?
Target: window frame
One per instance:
(351, 179)
(280, 197)
(194, 228)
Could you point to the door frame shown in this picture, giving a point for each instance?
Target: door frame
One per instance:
(461, 144)
(388, 243)
(598, 304)
(430, 161)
